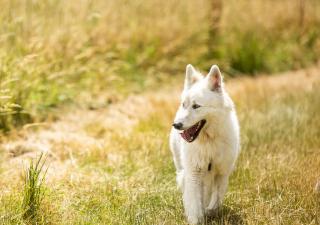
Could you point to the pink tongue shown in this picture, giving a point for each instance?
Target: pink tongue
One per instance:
(189, 132)
(186, 136)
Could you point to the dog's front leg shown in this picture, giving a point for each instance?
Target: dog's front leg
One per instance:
(222, 184)
(192, 197)
(213, 204)
(219, 189)
(180, 179)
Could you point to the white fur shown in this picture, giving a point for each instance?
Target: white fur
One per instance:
(217, 143)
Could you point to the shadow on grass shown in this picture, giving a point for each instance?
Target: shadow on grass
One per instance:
(224, 215)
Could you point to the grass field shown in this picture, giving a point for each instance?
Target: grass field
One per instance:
(88, 91)
(113, 166)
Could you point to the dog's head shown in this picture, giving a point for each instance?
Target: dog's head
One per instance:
(201, 99)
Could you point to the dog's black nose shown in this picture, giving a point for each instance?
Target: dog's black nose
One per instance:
(178, 126)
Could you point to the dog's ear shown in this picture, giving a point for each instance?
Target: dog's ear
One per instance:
(214, 78)
(192, 76)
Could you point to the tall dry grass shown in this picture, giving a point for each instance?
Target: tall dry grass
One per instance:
(93, 52)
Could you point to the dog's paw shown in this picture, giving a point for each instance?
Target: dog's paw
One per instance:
(195, 215)
(212, 207)
(210, 211)
(195, 219)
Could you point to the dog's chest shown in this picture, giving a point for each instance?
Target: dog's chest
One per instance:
(203, 157)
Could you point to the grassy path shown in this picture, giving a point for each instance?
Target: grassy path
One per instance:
(113, 166)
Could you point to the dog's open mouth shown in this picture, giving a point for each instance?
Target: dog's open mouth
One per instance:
(192, 133)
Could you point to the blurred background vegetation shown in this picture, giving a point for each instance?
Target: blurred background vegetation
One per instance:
(89, 53)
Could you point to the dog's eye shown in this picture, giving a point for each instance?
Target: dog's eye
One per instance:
(195, 106)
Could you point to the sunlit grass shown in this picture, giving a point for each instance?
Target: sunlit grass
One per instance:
(130, 178)
(33, 190)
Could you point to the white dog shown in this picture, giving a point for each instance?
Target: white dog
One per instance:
(204, 142)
